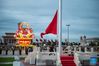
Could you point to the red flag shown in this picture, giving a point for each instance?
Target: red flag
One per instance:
(52, 27)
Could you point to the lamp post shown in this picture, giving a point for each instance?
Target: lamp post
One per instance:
(68, 32)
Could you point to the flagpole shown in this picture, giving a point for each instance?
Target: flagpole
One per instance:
(59, 29)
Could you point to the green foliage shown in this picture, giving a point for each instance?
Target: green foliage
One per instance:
(6, 59)
(98, 59)
(22, 58)
(6, 64)
(9, 59)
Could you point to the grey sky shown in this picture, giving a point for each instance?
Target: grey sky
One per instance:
(82, 15)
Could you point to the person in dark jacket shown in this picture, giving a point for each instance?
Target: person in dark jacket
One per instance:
(20, 51)
(26, 51)
(6, 51)
(0, 50)
(30, 49)
(13, 50)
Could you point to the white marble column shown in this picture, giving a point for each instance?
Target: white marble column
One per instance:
(79, 49)
(92, 49)
(75, 49)
(85, 49)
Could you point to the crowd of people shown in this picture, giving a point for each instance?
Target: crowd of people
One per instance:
(43, 44)
(14, 48)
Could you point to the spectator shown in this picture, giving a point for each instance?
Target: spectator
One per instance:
(51, 49)
(20, 51)
(6, 51)
(26, 51)
(30, 49)
(0, 50)
(13, 50)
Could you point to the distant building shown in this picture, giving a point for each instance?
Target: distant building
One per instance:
(95, 40)
(0, 41)
(9, 39)
(83, 40)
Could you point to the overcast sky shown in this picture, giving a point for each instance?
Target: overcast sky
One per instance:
(82, 15)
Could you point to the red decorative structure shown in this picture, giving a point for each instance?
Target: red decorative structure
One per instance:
(24, 34)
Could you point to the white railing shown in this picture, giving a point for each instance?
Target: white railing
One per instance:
(31, 56)
(76, 59)
(74, 49)
(47, 55)
(79, 56)
(41, 57)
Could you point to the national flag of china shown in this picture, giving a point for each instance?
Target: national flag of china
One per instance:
(52, 27)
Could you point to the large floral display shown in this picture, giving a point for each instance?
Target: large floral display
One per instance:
(24, 34)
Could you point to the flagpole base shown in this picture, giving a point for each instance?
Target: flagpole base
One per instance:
(58, 63)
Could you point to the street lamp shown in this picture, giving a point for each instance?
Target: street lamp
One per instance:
(68, 32)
